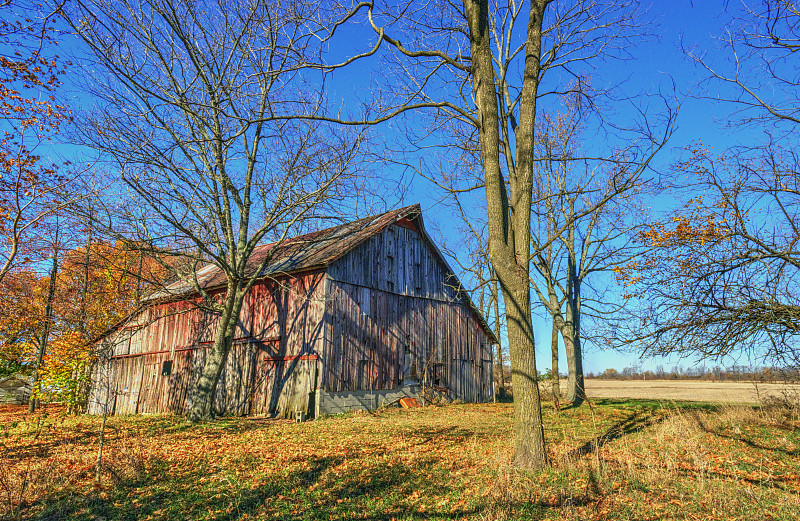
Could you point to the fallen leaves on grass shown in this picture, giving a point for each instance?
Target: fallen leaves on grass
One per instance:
(638, 460)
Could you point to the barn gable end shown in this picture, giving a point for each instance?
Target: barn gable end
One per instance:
(393, 308)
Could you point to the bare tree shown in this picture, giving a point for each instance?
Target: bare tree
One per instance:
(723, 276)
(589, 210)
(106, 394)
(514, 56)
(757, 74)
(213, 116)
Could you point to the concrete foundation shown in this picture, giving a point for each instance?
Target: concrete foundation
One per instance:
(346, 401)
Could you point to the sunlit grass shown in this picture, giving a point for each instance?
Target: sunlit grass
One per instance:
(610, 460)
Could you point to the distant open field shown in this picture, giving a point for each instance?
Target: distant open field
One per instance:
(727, 392)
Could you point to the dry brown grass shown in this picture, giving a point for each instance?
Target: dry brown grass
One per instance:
(731, 462)
(687, 390)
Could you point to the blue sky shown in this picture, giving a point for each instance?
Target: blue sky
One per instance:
(657, 65)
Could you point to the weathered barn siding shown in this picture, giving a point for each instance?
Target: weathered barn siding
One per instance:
(390, 297)
(352, 314)
(399, 261)
(270, 369)
(15, 389)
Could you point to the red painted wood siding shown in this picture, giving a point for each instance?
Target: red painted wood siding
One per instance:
(280, 325)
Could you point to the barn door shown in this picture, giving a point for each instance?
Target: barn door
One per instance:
(148, 394)
(263, 384)
(486, 381)
(467, 389)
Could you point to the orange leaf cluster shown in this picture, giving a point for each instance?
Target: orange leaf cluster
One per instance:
(93, 291)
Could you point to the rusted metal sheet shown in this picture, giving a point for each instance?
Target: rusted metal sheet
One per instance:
(409, 403)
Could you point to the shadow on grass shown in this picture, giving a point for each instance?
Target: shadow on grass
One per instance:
(633, 423)
(742, 438)
(313, 487)
(652, 404)
(451, 434)
(45, 441)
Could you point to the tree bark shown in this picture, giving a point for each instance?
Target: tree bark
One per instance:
(201, 404)
(554, 360)
(575, 393)
(43, 339)
(571, 329)
(82, 388)
(509, 218)
(528, 428)
(496, 297)
(572, 345)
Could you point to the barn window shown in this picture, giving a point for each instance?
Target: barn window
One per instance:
(365, 301)
(166, 368)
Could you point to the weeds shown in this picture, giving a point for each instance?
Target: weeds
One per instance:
(665, 462)
(782, 410)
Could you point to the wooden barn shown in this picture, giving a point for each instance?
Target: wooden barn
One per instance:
(351, 317)
(15, 389)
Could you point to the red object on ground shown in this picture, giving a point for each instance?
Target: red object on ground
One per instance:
(408, 403)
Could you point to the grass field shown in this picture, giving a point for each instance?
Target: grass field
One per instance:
(614, 460)
(723, 392)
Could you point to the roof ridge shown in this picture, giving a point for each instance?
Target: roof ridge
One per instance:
(290, 255)
(371, 218)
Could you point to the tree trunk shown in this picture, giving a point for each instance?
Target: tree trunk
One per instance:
(528, 429)
(98, 464)
(554, 360)
(572, 345)
(48, 317)
(571, 329)
(201, 406)
(509, 217)
(496, 296)
(502, 390)
(80, 393)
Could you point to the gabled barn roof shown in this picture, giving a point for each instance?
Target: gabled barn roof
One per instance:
(303, 252)
(16, 388)
(316, 250)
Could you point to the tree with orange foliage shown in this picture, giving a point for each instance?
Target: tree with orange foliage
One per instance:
(31, 186)
(17, 307)
(96, 285)
(722, 275)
